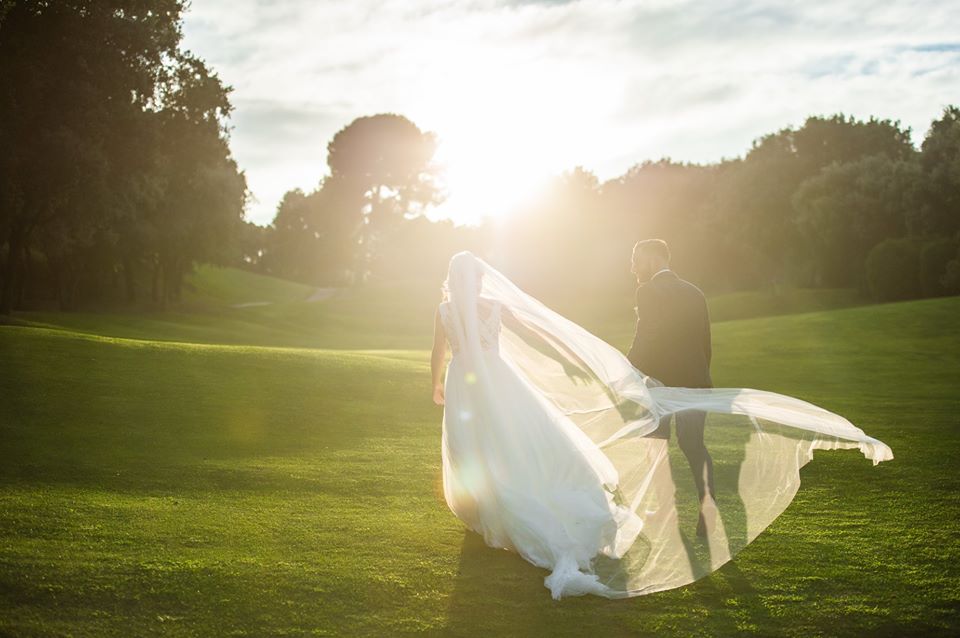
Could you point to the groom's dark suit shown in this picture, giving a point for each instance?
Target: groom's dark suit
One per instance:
(672, 345)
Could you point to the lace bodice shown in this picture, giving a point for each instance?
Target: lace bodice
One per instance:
(489, 325)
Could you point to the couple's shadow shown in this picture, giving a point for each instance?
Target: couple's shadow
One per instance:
(496, 592)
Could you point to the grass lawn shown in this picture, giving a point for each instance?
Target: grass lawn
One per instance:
(160, 475)
(272, 312)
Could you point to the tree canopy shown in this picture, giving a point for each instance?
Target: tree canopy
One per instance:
(117, 177)
(804, 206)
(116, 160)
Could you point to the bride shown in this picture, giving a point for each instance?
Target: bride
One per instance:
(545, 453)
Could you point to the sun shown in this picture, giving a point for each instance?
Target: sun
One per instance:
(497, 153)
(486, 178)
(503, 134)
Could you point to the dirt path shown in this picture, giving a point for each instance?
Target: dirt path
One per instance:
(318, 294)
(321, 294)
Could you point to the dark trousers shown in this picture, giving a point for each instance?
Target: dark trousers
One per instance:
(690, 426)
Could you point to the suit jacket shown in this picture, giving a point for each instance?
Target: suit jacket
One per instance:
(672, 343)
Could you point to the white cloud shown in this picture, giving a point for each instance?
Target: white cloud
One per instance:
(519, 90)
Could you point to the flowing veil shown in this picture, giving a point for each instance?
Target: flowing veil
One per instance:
(758, 440)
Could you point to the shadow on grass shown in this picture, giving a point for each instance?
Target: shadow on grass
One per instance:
(498, 593)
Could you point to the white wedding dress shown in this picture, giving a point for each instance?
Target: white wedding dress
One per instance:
(544, 449)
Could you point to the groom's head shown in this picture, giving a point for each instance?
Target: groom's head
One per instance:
(650, 256)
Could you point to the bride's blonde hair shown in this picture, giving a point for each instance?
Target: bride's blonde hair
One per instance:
(445, 286)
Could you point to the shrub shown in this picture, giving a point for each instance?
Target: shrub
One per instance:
(934, 258)
(951, 276)
(893, 270)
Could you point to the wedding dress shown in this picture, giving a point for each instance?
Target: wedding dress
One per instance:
(545, 453)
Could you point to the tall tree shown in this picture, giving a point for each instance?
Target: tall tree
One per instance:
(73, 76)
(755, 200)
(847, 209)
(312, 237)
(940, 160)
(664, 199)
(107, 127)
(389, 160)
(200, 211)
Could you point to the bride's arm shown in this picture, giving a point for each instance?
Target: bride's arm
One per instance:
(573, 365)
(437, 358)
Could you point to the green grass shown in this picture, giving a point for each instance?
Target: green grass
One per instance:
(215, 285)
(164, 484)
(398, 315)
(746, 305)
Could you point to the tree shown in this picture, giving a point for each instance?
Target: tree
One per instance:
(557, 235)
(756, 199)
(668, 200)
(893, 270)
(119, 148)
(116, 148)
(200, 211)
(940, 160)
(253, 241)
(388, 160)
(74, 76)
(951, 276)
(847, 209)
(935, 258)
(313, 236)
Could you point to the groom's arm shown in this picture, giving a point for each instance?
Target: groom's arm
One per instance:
(707, 342)
(646, 328)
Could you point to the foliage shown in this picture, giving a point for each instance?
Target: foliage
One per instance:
(386, 160)
(847, 209)
(804, 207)
(754, 206)
(115, 152)
(940, 159)
(893, 269)
(935, 259)
(118, 178)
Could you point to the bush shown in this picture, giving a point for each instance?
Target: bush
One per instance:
(893, 270)
(934, 258)
(951, 276)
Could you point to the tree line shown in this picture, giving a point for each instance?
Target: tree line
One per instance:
(836, 202)
(116, 173)
(116, 177)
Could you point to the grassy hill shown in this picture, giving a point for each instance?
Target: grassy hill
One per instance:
(186, 475)
(230, 306)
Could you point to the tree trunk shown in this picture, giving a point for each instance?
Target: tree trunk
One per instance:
(27, 271)
(155, 282)
(129, 285)
(178, 273)
(165, 282)
(11, 269)
(66, 277)
(56, 267)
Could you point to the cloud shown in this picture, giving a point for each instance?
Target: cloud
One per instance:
(530, 87)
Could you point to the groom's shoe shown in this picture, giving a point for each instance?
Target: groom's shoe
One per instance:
(708, 504)
(701, 527)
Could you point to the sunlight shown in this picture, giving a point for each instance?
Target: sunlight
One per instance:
(504, 135)
(484, 179)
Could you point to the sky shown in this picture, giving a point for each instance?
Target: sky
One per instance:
(518, 91)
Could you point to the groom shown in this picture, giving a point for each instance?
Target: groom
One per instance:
(672, 345)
